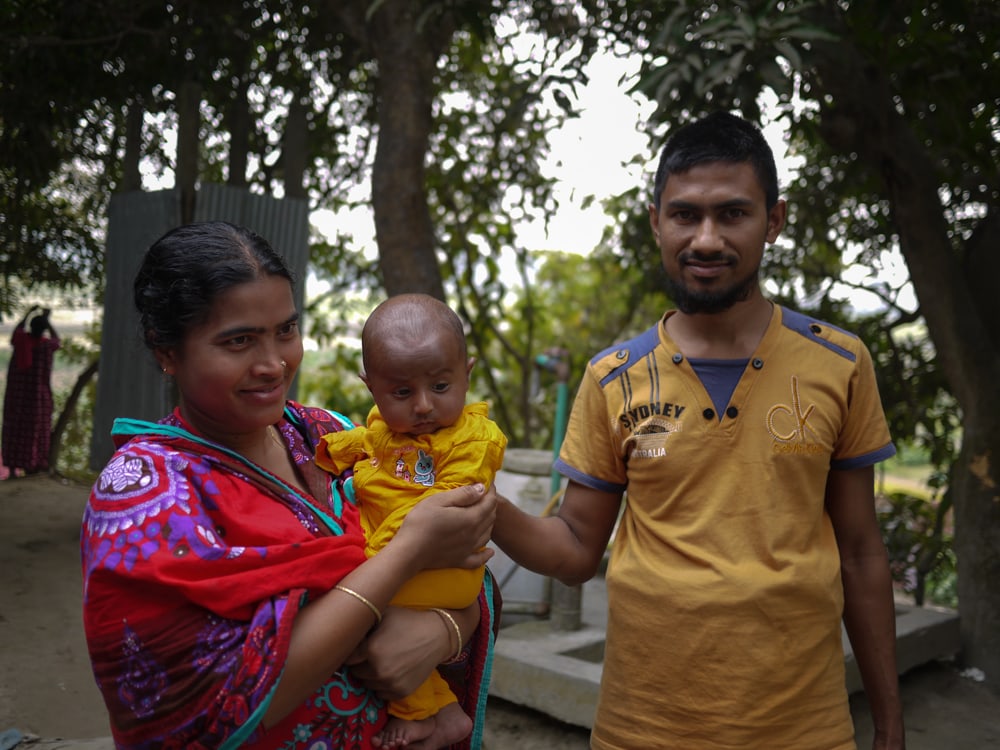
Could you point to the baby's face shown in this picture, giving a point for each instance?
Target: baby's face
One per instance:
(420, 386)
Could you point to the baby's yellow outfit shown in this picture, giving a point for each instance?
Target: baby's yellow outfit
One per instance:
(392, 473)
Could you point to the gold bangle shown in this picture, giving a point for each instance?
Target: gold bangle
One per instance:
(363, 600)
(450, 621)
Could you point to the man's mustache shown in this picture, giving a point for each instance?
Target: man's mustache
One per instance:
(695, 256)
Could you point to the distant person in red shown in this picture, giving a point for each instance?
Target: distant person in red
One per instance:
(27, 403)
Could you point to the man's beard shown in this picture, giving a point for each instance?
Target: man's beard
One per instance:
(691, 301)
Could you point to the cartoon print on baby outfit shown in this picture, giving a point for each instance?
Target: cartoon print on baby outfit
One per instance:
(401, 471)
(423, 469)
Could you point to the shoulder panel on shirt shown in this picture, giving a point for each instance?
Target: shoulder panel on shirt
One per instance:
(609, 363)
(835, 339)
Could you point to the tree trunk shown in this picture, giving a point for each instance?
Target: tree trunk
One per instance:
(239, 135)
(55, 444)
(964, 339)
(407, 57)
(964, 342)
(976, 486)
(294, 149)
(131, 176)
(188, 143)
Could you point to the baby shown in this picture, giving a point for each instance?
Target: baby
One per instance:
(420, 438)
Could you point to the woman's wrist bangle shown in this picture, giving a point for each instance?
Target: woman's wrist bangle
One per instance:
(363, 600)
(450, 622)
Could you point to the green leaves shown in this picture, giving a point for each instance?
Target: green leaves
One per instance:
(726, 53)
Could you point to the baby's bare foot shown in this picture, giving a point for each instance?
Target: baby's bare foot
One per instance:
(450, 726)
(401, 732)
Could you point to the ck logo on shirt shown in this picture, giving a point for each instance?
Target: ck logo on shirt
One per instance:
(789, 425)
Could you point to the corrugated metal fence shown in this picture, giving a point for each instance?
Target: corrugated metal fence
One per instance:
(129, 384)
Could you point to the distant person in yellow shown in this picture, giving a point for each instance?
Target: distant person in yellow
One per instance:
(420, 438)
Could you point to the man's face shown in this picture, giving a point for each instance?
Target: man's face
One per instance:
(711, 228)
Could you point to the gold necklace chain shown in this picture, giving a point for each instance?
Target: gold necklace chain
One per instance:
(273, 432)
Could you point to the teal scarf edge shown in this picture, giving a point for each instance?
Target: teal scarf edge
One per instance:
(137, 427)
(479, 720)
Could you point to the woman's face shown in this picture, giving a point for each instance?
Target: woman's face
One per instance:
(229, 371)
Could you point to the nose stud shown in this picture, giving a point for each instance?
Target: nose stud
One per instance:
(284, 363)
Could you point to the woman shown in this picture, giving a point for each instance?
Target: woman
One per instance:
(227, 598)
(27, 402)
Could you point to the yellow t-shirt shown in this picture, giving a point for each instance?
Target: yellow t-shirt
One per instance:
(724, 589)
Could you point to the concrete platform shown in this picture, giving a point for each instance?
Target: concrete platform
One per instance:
(559, 673)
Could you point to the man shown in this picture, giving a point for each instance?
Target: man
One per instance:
(743, 436)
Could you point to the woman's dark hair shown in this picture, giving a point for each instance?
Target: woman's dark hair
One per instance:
(38, 324)
(185, 271)
(720, 136)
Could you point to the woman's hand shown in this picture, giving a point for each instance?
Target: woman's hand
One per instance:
(448, 529)
(451, 528)
(400, 654)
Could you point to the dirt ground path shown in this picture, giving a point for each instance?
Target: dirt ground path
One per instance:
(47, 690)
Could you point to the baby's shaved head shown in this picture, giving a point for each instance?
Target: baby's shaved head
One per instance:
(403, 318)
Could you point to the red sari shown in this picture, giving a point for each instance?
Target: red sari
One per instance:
(27, 403)
(195, 564)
